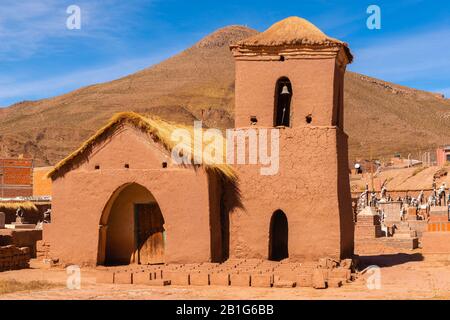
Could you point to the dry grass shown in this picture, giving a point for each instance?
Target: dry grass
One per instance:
(293, 31)
(10, 286)
(160, 131)
(29, 206)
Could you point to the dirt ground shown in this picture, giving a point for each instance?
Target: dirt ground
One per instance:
(403, 276)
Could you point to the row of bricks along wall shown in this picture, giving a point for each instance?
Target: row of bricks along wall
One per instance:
(14, 258)
(260, 274)
(16, 177)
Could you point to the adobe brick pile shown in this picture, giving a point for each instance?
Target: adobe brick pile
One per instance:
(235, 272)
(21, 238)
(14, 258)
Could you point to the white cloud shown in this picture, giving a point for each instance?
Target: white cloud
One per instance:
(28, 27)
(46, 87)
(404, 58)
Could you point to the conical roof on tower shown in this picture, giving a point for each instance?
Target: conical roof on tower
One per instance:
(293, 31)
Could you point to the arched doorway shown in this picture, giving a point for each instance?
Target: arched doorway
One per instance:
(278, 238)
(283, 97)
(131, 228)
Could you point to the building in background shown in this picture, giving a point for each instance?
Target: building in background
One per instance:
(16, 177)
(443, 155)
(42, 185)
(24, 187)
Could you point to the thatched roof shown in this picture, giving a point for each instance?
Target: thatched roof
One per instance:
(158, 130)
(26, 205)
(293, 31)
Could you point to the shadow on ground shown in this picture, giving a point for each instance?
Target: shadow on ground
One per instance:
(387, 260)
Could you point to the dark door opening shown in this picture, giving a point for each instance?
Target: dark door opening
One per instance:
(278, 238)
(150, 236)
(283, 97)
(131, 228)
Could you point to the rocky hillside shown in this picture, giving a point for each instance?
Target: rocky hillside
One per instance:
(198, 83)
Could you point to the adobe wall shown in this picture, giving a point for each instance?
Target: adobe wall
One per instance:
(82, 194)
(42, 185)
(311, 188)
(347, 227)
(313, 85)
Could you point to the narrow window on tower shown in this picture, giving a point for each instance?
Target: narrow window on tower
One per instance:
(283, 97)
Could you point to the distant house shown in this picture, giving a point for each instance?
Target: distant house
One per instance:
(16, 177)
(25, 187)
(443, 155)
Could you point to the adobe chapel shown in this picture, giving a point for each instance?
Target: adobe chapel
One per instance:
(120, 199)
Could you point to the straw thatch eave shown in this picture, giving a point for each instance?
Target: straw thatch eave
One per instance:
(159, 130)
(26, 205)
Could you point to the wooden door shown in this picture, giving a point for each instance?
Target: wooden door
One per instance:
(149, 234)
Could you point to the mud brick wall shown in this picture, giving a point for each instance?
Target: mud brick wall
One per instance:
(42, 185)
(16, 177)
(420, 226)
(319, 213)
(367, 227)
(438, 226)
(14, 258)
(367, 233)
(21, 238)
(42, 249)
(184, 196)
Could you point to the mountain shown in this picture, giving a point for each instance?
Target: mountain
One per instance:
(381, 118)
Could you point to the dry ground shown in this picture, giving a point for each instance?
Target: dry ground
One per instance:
(403, 276)
(415, 178)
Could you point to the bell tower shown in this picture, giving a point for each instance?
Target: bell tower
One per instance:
(290, 75)
(291, 78)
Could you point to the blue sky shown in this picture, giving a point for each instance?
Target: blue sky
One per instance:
(40, 57)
